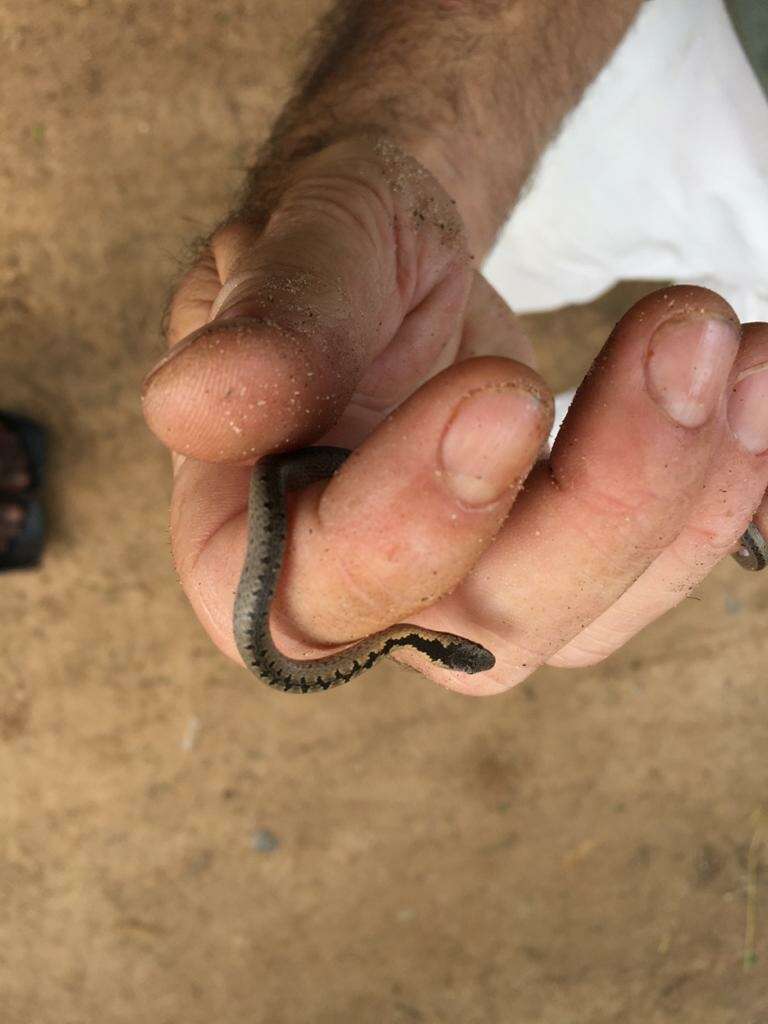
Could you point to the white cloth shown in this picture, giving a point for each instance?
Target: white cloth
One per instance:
(661, 172)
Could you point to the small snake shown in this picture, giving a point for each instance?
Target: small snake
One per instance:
(272, 478)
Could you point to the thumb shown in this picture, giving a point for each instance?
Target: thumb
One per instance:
(303, 307)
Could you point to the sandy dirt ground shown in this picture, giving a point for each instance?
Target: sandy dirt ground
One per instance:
(179, 845)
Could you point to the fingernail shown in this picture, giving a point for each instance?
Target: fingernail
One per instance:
(197, 337)
(688, 363)
(171, 354)
(748, 409)
(491, 441)
(235, 290)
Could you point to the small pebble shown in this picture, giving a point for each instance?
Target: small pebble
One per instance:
(264, 841)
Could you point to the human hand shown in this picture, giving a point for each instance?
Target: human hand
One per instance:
(359, 298)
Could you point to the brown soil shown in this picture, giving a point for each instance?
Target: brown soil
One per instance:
(177, 845)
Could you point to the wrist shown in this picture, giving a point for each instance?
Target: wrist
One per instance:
(480, 207)
(481, 204)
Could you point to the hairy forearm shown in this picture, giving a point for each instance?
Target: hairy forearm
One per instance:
(473, 88)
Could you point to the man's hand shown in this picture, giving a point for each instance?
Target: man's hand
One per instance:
(358, 298)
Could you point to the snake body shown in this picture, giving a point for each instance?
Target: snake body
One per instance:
(753, 550)
(273, 477)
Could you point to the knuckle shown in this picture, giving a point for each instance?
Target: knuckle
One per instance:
(584, 652)
(370, 586)
(615, 517)
(715, 539)
(341, 201)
